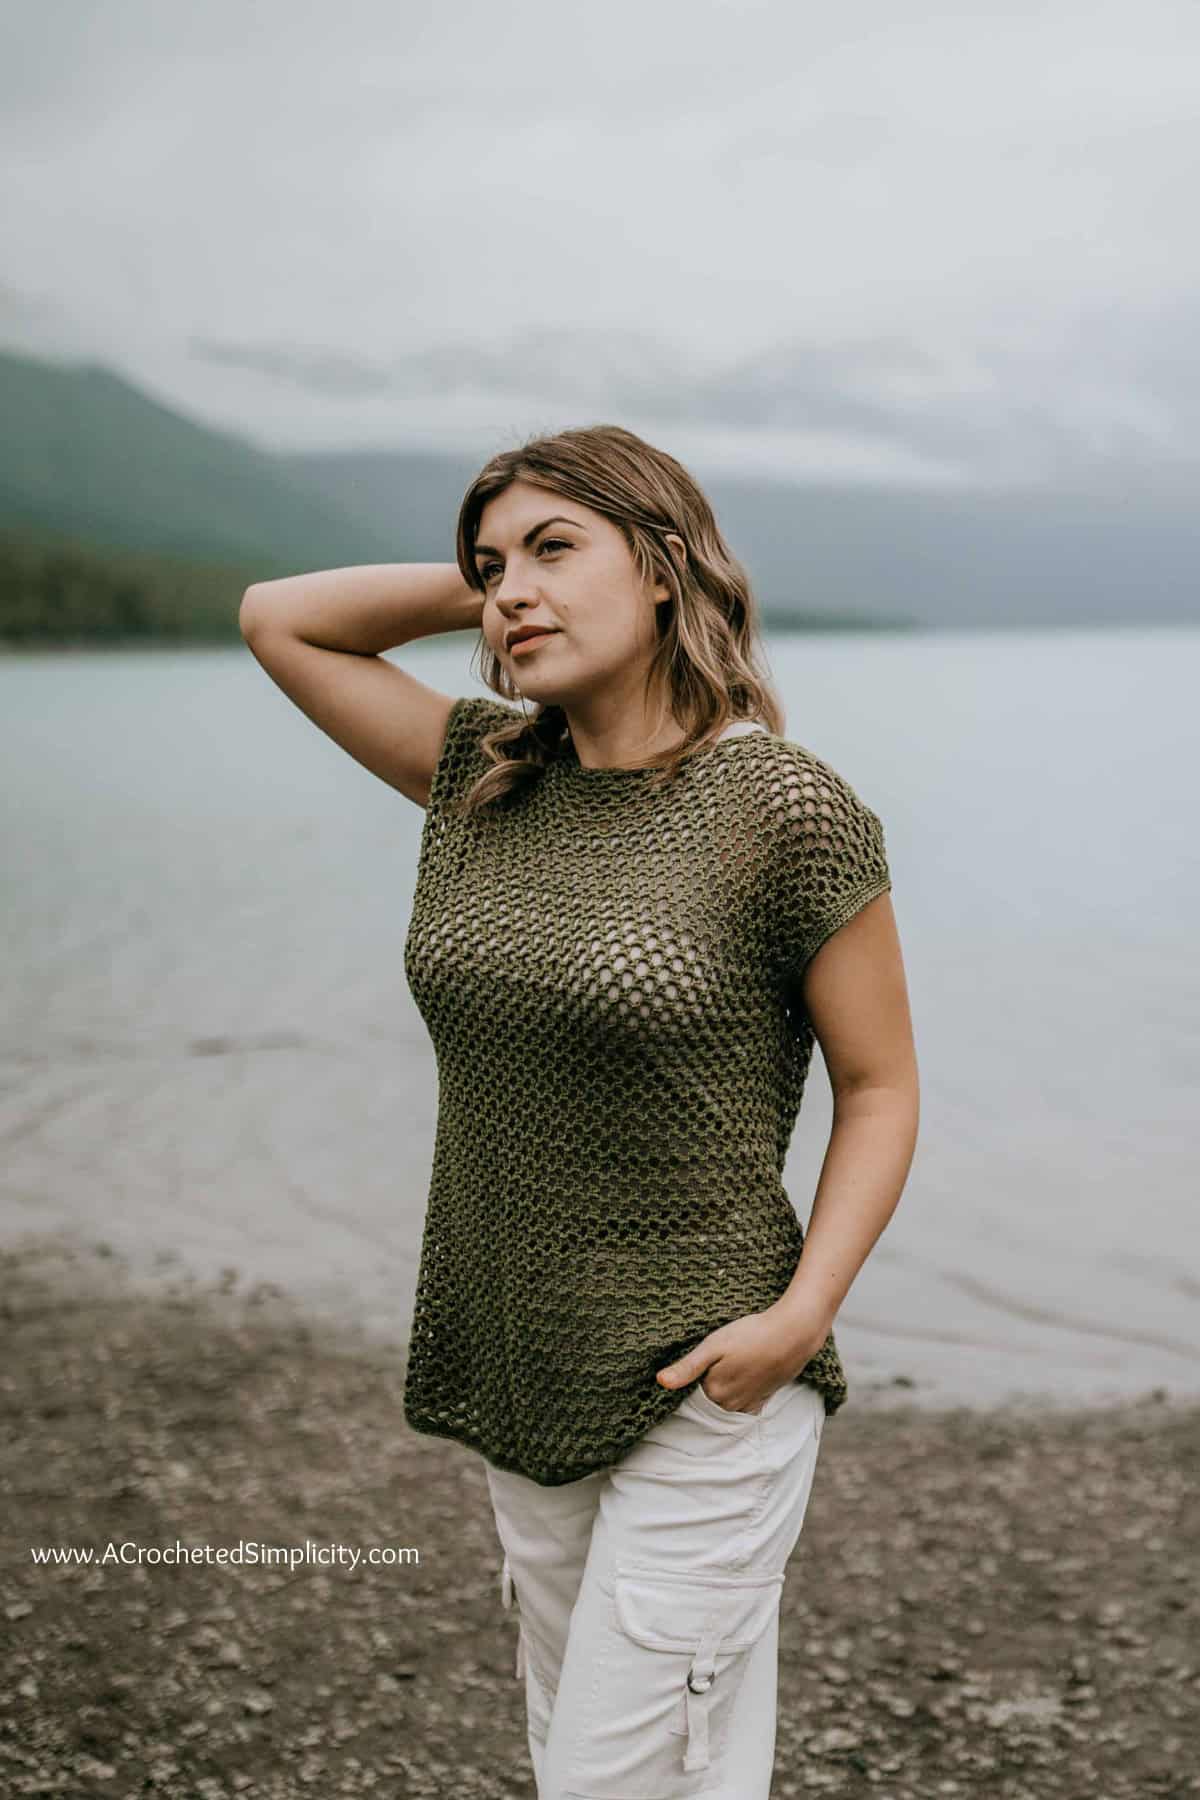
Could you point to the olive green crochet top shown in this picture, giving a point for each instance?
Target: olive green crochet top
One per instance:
(610, 977)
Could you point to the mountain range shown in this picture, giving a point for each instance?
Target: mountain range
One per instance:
(88, 455)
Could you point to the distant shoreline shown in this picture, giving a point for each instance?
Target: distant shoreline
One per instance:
(775, 627)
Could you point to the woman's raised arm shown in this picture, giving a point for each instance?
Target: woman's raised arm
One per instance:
(320, 638)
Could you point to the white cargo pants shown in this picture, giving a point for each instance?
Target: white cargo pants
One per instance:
(647, 1600)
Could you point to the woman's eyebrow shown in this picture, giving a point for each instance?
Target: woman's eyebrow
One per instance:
(488, 550)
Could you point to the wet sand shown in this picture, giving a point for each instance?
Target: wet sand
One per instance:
(997, 1601)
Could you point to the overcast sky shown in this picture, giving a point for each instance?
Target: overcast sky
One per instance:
(943, 244)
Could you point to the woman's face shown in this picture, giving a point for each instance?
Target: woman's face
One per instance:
(552, 562)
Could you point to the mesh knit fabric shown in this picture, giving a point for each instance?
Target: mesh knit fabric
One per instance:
(610, 978)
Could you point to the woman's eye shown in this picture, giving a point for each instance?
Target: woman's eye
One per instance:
(487, 569)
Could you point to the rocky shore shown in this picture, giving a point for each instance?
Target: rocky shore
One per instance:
(999, 1602)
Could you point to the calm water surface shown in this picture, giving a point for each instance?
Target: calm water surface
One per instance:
(211, 1059)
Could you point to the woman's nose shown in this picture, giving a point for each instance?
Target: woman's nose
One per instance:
(512, 585)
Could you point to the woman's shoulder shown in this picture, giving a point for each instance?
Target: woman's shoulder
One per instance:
(474, 715)
(786, 757)
(471, 718)
(804, 792)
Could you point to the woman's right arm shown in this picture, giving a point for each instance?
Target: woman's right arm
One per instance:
(320, 638)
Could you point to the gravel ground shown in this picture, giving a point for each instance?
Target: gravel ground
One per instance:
(998, 1602)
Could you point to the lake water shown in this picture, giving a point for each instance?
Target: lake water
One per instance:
(211, 1059)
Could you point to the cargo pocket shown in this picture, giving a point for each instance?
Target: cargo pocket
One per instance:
(687, 1640)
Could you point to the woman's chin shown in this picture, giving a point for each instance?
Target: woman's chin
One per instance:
(542, 693)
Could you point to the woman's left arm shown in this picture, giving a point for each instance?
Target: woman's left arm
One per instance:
(856, 996)
(855, 993)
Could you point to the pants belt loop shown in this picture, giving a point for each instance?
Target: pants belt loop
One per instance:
(506, 1585)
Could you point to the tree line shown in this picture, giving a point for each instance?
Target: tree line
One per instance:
(64, 591)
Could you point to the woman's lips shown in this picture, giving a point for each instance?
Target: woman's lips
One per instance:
(531, 643)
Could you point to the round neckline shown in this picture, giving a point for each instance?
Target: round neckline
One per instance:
(570, 759)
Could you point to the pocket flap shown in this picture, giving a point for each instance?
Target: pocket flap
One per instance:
(669, 1610)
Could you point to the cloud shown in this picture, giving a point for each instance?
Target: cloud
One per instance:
(316, 372)
(954, 239)
(1118, 398)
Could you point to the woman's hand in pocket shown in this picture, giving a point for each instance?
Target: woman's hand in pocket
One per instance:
(752, 1356)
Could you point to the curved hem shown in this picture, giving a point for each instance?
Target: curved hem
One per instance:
(579, 1471)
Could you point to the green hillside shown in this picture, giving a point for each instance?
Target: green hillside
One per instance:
(121, 519)
(85, 453)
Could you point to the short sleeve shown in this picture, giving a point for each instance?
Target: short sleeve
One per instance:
(461, 761)
(831, 858)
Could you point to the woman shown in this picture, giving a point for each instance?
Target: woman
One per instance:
(638, 906)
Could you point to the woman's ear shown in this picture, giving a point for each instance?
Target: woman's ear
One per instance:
(679, 550)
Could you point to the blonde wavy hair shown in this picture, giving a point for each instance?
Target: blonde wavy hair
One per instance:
(707, 661)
